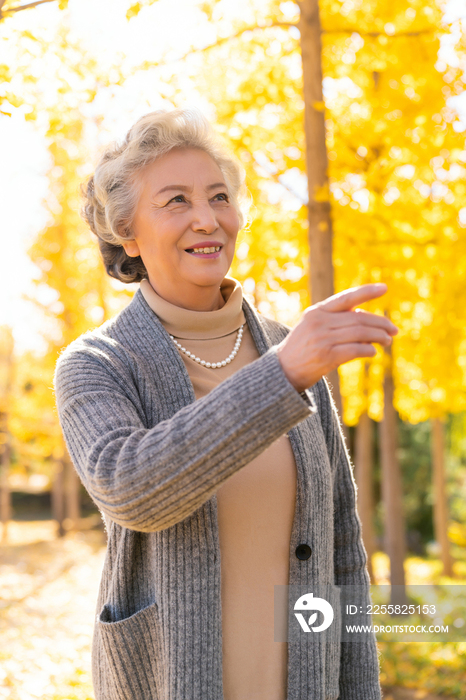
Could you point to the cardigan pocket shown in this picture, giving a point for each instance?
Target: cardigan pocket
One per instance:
(131, 652)
(333, 646)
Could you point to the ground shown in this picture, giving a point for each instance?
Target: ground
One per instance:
(48, 587)
(48, 591)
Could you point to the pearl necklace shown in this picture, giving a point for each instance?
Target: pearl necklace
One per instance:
(213, 365)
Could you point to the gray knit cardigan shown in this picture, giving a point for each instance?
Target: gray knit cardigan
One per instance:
(152, 458)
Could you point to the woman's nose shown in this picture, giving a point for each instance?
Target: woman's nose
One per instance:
(204, 218)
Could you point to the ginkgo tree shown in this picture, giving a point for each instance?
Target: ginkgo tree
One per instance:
(395, 162)
(72, 291)
(402, 172)
(396, 168)
(71, 271)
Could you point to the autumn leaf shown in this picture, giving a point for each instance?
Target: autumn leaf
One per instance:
(136, 7)
(133, 10)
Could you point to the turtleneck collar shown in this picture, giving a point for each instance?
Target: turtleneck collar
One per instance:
(188, 324)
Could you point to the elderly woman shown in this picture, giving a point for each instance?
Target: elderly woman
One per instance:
(191, 421)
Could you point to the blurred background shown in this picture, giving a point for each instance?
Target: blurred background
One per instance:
(349, 117)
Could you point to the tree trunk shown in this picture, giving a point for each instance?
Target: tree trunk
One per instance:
(58, 497)
(319, 216)
(364, 480)
(5, 494)
(72, 495)
(440, 496)
(364, 473)
(320, 222)
(392, 491)
(6, 382)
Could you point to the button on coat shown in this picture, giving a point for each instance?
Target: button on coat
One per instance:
(303, 551)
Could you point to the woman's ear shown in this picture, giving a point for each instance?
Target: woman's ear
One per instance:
(131, 248)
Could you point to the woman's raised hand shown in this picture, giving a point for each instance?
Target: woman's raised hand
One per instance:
(330, 333)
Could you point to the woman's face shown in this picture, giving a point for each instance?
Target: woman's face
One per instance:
(183, 209)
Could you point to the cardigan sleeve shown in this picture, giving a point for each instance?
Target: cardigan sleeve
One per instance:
(150, 478)
(359, 666)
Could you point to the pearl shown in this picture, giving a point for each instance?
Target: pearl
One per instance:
(213, 365)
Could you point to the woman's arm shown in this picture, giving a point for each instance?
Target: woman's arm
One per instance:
(148, 479)
(359, 666)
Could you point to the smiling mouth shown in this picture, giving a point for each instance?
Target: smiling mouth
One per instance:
(204, 251)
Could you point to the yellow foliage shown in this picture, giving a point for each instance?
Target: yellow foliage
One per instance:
(133, 10)
(457, 534)
(396, 167)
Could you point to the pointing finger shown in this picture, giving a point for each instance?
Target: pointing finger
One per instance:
(349, 298)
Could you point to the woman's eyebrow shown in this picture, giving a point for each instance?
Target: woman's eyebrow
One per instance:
(184, 188)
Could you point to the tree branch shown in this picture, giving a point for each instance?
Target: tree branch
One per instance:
(219, 42)
(21, 7)
(377, 34)
(255, 27)
(276, 177)
(395, 242)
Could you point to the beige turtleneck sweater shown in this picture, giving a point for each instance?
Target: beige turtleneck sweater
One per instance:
(255, 507)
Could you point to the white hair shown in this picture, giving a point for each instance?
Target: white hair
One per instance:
(111, 194)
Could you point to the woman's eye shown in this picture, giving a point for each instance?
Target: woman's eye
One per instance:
(224, 197)
(178, 198)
